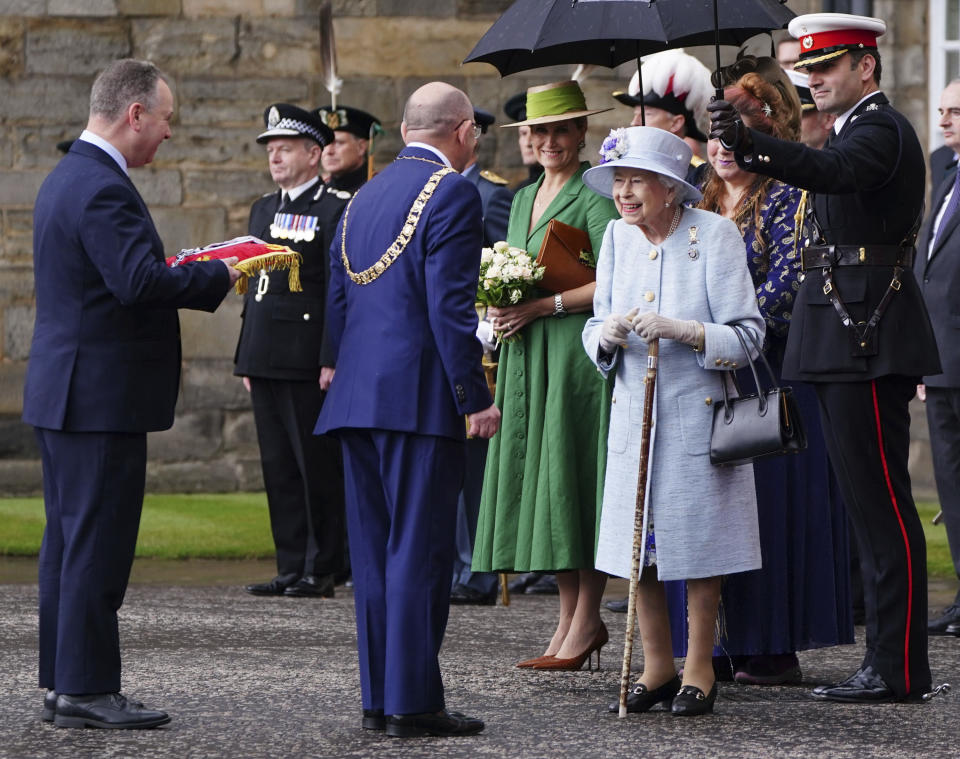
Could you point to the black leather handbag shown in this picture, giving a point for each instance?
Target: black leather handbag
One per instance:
(765, 423)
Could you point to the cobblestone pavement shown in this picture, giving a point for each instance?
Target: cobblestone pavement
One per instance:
(251, 677)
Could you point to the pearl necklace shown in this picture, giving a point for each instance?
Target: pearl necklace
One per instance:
(675, 222)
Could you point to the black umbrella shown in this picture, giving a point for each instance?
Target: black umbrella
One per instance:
(536, 33)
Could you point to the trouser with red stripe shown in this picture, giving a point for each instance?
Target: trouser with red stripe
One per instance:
(866, 426)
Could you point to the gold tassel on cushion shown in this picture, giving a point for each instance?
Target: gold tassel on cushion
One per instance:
(287, 259)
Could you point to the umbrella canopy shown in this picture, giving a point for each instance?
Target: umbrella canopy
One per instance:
(536, 33)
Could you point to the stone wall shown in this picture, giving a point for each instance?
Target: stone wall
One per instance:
(226, 60)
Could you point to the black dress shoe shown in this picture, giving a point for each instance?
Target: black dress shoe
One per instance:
(312, 586)
(464, 594)
(942, 624)
(545, 586)
(641, 699)
(442, 724)
(691, 702)
(273, 588)
(373, 719)
(521, 582)
(111, 710)
(49, 706)
(618, 605)
(865, 687)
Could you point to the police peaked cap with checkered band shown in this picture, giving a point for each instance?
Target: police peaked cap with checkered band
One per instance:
(343, 118)
(285, 120)
(825, 36)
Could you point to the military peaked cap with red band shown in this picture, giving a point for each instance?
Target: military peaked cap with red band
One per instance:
(824, 36)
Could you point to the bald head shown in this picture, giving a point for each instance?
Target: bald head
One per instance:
(435, 110)
(441, 116)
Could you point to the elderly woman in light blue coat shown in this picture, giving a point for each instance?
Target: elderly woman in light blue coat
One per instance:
(679, 274)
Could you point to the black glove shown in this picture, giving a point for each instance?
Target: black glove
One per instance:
(726, 126)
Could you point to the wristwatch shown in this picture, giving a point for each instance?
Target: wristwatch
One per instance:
(558, 310)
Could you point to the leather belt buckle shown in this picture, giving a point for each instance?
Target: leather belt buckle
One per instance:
(863, 255)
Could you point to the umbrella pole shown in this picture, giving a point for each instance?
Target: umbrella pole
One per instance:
(716, 46)
(643, 113)
(649, 384)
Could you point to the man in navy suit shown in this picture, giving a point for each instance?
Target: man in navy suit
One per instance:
(400, 316)
(938, 272)
(104, 370)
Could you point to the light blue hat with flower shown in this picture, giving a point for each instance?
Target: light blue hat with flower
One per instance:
(647, 148)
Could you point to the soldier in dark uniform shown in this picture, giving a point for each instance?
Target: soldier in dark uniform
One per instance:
(860, 331)
(280, 355)
(478, 587)
(345, 159)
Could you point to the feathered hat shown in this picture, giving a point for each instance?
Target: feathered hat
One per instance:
(677, 83)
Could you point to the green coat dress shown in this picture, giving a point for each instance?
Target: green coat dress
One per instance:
(542, 488)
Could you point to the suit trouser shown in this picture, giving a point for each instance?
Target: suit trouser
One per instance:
(401, 491)
(93, 486)
(303, 477)
(943, 420)
(468, 512)
(867, 431)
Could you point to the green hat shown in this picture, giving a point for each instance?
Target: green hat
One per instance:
(558, 101)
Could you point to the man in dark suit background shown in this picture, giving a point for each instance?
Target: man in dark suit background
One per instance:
(859, 330)
(280, 355)
(104, 370)
(401, 318)
(938, 271)
(471, 587)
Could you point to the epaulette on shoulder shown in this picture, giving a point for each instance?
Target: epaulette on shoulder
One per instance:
(268, 194)
(492, 176)
(696, 161)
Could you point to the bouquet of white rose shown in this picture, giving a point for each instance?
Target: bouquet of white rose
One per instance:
(507, 275)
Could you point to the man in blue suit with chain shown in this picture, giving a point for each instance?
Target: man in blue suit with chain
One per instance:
(104, 370)
(400, 315)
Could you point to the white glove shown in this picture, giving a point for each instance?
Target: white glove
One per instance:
(486, 336)
(650, 325)
(614, 331)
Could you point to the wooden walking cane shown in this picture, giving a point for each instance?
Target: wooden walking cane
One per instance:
(649, 383)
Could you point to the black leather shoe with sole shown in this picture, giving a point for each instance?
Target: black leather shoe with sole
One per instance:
(442, 724)
(691, 701)
(312, 586)
(641, 699)
(49, 706)
(108, 710)
(373, 719)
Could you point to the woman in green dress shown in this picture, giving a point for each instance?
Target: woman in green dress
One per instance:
(543, 481)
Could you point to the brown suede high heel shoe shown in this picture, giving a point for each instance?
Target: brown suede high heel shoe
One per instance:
(531, 663)
(575, 663)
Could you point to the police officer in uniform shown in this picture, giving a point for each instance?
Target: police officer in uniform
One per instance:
(860, 332)
(345, 159)
(516, 109)
(280, 355)
(478, 587)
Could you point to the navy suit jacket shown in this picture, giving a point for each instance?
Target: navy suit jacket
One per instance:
(105, 355)
(407, 356)
(939, 278)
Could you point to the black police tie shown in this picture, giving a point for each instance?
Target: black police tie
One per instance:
(284, 202)
(950, 210)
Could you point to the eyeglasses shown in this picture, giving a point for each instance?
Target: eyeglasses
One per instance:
(477, 129)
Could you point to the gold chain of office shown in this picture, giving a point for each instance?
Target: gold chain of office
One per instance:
(372, 273)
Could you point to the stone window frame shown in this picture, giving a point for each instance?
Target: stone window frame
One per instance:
(944, 61)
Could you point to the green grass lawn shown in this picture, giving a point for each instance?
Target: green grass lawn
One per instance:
(218, 526)
(237, 526)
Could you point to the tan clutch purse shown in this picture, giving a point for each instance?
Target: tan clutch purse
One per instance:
(560, 255)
